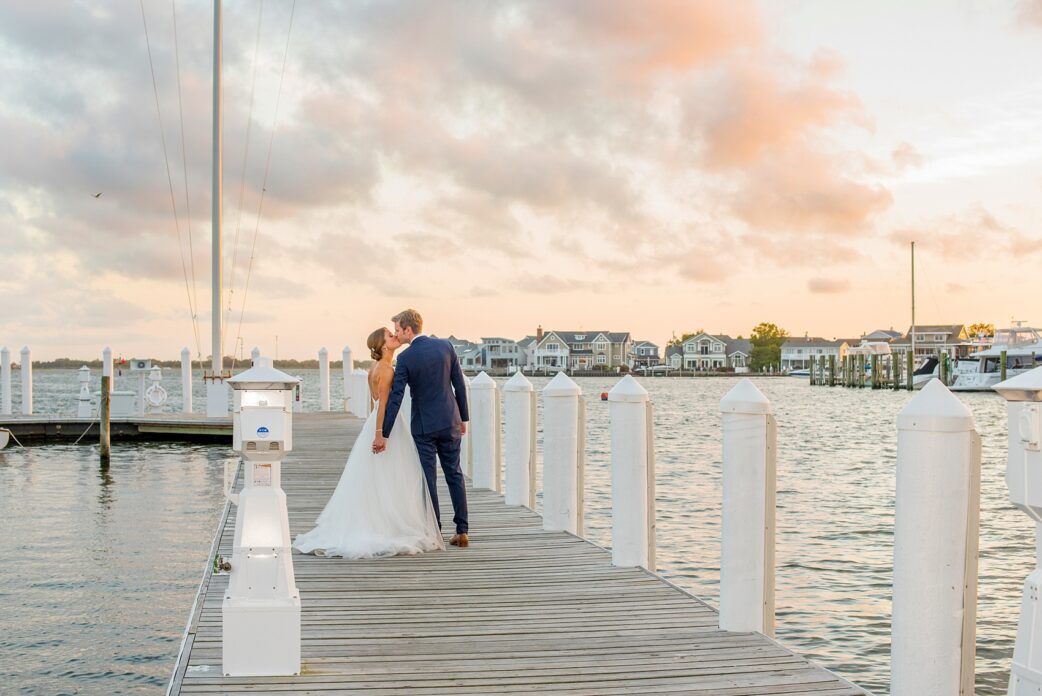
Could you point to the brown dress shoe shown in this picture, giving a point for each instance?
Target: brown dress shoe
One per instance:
(460, 540)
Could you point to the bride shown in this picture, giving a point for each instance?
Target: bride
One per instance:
(381, 506)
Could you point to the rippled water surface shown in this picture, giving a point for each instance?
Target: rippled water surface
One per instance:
(100, 570)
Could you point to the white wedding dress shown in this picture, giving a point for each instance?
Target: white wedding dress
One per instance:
(381, 506)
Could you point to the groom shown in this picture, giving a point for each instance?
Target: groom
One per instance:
(439, 412)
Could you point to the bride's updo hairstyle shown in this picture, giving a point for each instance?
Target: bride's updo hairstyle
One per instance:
(375, 343)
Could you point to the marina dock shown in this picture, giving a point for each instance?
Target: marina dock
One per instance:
(520, 611)
(45, 430)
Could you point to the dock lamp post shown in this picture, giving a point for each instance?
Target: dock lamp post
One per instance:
(1024, 479)
(261, 610)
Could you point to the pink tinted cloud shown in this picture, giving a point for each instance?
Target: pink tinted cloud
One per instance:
(828, 286)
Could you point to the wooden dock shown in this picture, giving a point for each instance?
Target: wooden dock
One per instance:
(520, 611)
(47, 430)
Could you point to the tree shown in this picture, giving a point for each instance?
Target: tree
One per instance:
(981, 330)
(766, 340)
(677, 341)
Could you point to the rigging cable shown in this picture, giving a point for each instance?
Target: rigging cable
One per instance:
(188, 208)
(267, 167)
(166, 158)
(242, 184)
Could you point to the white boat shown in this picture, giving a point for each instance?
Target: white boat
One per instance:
(802, 372)
(5, 437)
(931, 370)
(1023, 348)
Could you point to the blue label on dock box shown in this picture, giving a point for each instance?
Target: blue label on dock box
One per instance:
(262, 431)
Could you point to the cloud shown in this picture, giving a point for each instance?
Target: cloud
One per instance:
(906, 156)
(1030, 12)
(964, 235)
(828, 286)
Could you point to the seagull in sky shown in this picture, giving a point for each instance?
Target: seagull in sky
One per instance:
(98, 195)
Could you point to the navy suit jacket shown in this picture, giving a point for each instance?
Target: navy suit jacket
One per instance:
(431, 370)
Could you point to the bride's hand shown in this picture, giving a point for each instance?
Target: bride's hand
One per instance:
(379, 444)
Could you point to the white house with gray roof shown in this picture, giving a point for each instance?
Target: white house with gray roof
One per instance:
(797, 352)
(582, 350)
(705, 351)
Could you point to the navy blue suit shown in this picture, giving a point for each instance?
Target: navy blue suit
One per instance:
(439, 404)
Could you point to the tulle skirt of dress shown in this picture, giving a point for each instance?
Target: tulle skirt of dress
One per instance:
(381, 506)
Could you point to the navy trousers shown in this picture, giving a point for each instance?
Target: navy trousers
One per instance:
(444, 445)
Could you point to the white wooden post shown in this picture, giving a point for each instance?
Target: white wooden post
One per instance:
(363, 404)
(483, 426)
(519, 453)
(466, 450)
(254, 354)
(1024, 411)
(936, 524)
(27, 381)
(5, 381)
(323, 379)
(563, 457)
(747, 524)
(345, 370)
(186, 380)
(83, 398)
(106, 367)
(632, 476)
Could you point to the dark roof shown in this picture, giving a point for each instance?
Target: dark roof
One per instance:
(674, 350)
(738, 345)
(569, 337)
(815, 341)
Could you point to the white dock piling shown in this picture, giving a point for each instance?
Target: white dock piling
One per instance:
(519, 452)
(632, 476)
(106, 367)
(346, 372)
(484, 427)
(1024, 412)
(936, 525)
(563, 455)
(5, 381)
(27, 381)
(83, 399)
(362, 404)
(323, 379)
(186, 380)
(747, 525)
(254, 355)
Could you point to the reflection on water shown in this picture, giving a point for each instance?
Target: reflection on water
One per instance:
(99, 567)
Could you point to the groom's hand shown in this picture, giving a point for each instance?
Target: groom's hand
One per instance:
(379, 444)
(463, 428)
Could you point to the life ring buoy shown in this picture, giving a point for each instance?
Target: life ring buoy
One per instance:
(155, 395)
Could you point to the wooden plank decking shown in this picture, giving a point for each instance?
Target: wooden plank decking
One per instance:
(520, 611)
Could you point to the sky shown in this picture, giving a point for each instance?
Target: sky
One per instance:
(654, 167)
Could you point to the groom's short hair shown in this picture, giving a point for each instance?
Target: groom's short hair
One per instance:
(409, 319)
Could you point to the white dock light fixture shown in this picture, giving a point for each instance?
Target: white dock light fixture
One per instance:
(1024, 479)
(261, 610)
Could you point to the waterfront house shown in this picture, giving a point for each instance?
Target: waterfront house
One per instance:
(499, 354)
(797, 352)
(526, 349)
(582, 350)
(705, 351)
(931, 340)
(675, 356)
(644, 354)
(739, 352)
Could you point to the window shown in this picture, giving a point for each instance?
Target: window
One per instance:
(718, 348)
(600, 360)
(601, 345)
(580, 337)
(552, 347)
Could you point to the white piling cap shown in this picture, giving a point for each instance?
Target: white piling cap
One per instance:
(1026, 386)
(562, 385)
(347, 349)
(323, 351)
(482, 381)
(935, 410)
(263, 376)
(744, 397)
(185, 351)
(518, 383)
(628, 390)
(25, 349)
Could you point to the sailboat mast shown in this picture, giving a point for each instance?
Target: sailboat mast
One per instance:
(217, 195)
(913, 304)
